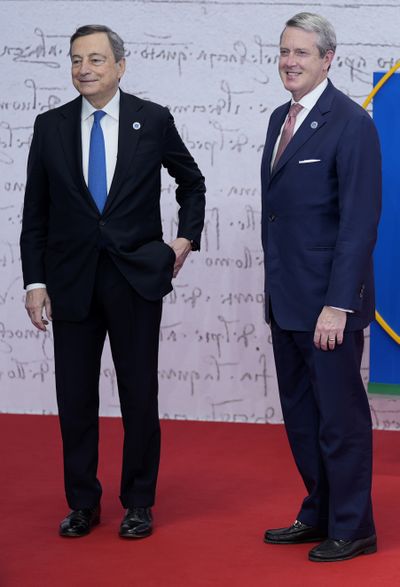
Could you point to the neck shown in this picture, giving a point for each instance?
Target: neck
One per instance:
(99, 103)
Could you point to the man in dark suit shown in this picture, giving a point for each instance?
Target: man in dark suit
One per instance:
(94, 260)
(321, 190)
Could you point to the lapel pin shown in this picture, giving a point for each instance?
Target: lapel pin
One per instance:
(314, 124)
(136, 125)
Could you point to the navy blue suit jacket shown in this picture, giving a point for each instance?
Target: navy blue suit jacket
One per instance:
(319, 218)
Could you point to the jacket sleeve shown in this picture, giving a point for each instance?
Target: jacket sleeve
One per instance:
(190, 191)
(35, 214)
(358, 164)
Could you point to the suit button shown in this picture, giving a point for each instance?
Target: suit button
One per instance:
(102, 223)
(271, 217)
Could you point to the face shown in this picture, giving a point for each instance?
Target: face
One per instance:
(95, 73)
(300, 65)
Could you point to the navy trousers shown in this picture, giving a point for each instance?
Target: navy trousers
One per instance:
(328, 423)
(132, 324)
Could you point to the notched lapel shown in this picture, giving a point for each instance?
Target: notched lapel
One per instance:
(70, 136)
(311, 125)
(71, 140)
(131, 123)
(271, 139)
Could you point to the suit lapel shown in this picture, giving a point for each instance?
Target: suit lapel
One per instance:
(131, 122)
(272, 137)
(71, 140)
(313, 122)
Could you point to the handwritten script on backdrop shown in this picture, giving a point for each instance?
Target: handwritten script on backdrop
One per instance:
(214, 64)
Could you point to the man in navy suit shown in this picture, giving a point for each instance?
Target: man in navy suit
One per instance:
(95, 262)
(321, 198)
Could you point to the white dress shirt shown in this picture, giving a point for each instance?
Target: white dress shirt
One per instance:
(109, 125)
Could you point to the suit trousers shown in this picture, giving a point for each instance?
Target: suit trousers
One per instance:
(132, 324)
(328, 423)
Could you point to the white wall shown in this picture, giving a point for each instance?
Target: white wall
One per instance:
(214, 64)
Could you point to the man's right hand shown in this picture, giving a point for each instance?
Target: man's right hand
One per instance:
(36, 300)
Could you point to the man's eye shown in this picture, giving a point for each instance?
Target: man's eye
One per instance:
(97, 61)
(76, 61)
(284, 52)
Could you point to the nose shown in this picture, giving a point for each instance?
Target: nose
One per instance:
(84, 68)
(291, 59)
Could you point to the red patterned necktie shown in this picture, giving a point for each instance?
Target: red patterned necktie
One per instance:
(287, 131)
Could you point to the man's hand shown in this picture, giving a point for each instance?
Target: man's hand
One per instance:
(36, 300)
(329, 328)
(182, 248)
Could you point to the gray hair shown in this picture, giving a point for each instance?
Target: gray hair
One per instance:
(314, 23)
(117, 44)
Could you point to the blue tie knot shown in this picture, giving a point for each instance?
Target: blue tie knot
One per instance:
(98, 115)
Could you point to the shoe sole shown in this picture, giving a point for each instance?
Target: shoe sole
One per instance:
(369, 550)
(135, 536)
(301, 541)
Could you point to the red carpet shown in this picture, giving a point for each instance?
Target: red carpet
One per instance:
(220, 486)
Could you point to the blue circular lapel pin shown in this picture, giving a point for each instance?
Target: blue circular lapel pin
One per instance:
(314, 124)
(136, 125)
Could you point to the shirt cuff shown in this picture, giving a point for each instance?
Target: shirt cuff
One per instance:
(342, 309)
(35, 286)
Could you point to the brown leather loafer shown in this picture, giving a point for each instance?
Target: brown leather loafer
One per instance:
(341, 550)
(137, 523)
(79, 522)
(295, 534)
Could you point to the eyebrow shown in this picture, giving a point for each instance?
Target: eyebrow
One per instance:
(95, 54)
(295, 49)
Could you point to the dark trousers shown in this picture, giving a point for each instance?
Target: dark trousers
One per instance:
(328, 423)
(132, 324)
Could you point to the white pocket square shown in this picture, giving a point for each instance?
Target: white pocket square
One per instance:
(309, 161)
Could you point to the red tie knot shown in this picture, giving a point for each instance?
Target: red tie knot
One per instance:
(295, 109)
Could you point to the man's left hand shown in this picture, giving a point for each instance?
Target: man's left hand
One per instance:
(182, 247)
(329, 329)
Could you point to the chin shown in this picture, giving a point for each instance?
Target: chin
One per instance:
(87, 88)
(291, 87)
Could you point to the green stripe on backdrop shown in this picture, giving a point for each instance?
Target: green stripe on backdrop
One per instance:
(384, 388)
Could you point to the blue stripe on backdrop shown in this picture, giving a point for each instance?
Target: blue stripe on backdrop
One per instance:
(385, 352)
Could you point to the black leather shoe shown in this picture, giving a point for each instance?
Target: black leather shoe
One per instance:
(80, 522)
(295, 534)
(137, 523)
(341, 550)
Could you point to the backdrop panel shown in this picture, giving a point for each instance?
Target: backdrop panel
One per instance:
(214, 63)
(385, 350)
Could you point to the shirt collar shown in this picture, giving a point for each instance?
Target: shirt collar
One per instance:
(309, 100)
(111, 108)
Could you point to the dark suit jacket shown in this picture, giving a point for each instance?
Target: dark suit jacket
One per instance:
(319, 219)
(63, 231)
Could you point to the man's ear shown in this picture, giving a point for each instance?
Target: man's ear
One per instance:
(328, 58)
(121, 64)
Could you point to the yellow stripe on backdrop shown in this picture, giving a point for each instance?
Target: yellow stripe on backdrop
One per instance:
(381, 321)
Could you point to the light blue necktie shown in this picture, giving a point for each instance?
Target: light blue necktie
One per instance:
(97, 162)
